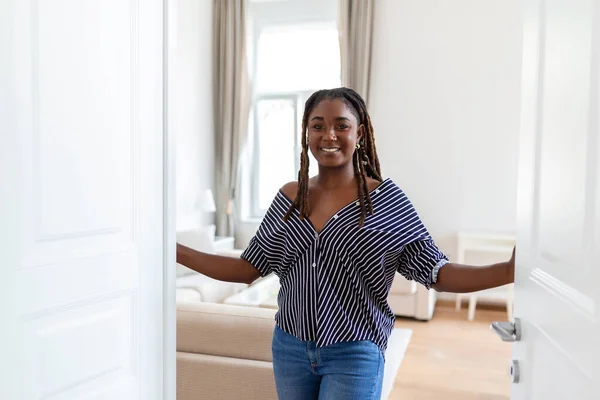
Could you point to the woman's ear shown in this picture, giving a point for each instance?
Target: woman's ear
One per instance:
(360, 133)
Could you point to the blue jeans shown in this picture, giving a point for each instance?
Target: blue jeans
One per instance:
(341, 371)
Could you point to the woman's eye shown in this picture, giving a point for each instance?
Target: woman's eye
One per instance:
(317, 126)
(342, 126)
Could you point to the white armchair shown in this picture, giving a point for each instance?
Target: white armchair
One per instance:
(410, 299)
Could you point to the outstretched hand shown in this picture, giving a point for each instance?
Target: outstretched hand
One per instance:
(458, 278)
(511, 266)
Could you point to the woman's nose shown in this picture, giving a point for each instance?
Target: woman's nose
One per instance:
(331, 134)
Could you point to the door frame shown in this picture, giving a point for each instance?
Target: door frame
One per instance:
(169, 312)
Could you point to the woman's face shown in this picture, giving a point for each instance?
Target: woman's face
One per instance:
(333, 132)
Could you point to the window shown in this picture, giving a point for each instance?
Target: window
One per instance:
(290, 62)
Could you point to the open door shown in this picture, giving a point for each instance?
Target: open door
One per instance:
(556, 332)
(82, 203)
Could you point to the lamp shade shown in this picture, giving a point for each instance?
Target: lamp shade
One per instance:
(207, 202)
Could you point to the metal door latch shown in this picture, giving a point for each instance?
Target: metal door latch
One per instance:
(508, 331)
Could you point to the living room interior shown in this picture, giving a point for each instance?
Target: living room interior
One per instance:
(443, 85)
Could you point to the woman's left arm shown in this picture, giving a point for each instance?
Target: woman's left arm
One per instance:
(458, 278)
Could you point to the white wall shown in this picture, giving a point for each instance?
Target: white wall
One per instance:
(444, 102)
(445, 107)
(191, 108)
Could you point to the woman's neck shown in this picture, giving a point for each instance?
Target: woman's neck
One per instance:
(331, 178)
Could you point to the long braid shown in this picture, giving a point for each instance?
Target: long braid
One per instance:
(365, 160)
(372, 153)
(303, 204)
(363, 189)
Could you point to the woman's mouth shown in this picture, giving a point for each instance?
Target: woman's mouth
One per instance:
(330, 150)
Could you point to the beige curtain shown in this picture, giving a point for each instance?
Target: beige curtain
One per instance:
(231, 105)
(356, 37)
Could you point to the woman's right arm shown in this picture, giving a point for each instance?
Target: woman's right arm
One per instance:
(222, 268)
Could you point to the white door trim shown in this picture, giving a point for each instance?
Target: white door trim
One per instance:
(169, 217)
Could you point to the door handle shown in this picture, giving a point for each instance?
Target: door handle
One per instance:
(508, 331)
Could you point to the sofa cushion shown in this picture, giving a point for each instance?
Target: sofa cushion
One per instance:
(185, 294)
(225, 330)
(222, 378)
(210, 290)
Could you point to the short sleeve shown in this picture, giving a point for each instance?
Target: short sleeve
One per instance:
(265, 246)
(418, 259)
(419, 254)
(256, 256)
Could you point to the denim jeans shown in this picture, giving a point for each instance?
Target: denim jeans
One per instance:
(341, 371)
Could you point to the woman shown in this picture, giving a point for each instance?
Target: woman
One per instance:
(336, 241)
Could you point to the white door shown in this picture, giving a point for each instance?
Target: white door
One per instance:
(81, 205)
(557, 292)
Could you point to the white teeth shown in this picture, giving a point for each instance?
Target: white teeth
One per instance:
(329, 149)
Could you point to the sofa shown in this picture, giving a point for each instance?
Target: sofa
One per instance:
(224, 352)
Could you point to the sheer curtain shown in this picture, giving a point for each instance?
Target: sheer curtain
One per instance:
(356, 37)
(231, 105)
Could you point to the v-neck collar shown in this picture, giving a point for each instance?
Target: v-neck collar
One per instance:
(335, 216)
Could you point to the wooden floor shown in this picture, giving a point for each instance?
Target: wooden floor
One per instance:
(451, 358)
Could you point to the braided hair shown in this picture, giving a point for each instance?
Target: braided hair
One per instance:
(365, 160)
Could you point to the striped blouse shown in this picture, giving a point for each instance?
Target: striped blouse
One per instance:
(334, 284)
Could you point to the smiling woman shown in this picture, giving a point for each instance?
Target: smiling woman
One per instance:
(331, 137)
(337, 129)
(336, 241)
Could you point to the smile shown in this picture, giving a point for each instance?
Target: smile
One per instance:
(330, 150)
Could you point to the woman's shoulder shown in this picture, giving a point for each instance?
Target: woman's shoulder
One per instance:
(386, 184)
(290, 190)
(390, 191)
(374, 183)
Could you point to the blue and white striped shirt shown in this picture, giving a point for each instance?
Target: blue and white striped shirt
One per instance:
(334, 284)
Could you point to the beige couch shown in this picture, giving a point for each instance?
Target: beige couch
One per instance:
(224, 352)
